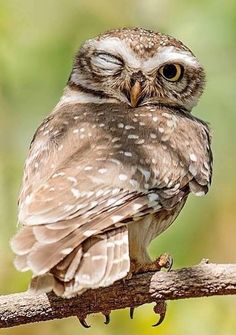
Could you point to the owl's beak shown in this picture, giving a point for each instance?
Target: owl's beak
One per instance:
(135, 93)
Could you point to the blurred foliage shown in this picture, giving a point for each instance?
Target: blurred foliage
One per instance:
(37, 43)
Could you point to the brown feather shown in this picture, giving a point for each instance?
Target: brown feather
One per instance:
(98, 174)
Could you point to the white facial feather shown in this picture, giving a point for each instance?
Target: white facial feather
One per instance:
(169, 54)
(108, 64)
(163, 55)
(118, 47)
(82, 97)
(133, 62)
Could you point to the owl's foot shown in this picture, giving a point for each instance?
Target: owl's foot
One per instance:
(107, 317)
(160, 308)
(163, 261)
(83, 322)
(131, 312)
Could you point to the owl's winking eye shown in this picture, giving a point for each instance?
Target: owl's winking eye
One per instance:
(106, 61)
(172, 72)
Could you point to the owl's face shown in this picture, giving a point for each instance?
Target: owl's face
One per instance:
(138, 67)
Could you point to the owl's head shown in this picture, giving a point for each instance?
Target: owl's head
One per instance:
(137, 67)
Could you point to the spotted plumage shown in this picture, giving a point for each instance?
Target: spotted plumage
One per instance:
(113, 164)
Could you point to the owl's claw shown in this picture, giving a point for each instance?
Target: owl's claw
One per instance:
(131, 312)
(170, 264)
(160, 308)
(83, 322)
(107, 317)
(165, 261)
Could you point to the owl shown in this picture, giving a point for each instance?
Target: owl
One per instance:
(113, 164)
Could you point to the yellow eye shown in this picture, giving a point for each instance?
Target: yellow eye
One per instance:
(171, 72)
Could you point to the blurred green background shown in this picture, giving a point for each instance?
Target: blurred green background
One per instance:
(37, 42)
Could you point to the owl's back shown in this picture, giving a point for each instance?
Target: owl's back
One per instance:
(92, 170)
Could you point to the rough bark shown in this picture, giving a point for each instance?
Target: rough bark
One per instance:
(202, 280)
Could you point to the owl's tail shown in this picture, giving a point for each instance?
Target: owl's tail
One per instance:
(98, 261)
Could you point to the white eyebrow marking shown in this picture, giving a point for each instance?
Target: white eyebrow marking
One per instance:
(169, 54)
(163, 54)
(116, 46)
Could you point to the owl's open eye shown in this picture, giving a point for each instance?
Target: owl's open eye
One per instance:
(172, 72)
(106, 61)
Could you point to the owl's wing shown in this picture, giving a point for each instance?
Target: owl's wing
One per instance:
(88, 175)
(70, 193)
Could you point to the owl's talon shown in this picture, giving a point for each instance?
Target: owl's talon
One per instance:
(107, 317)
(160, 308)
(83, 322)
(165, 261)
(170, 263)
(131, 312)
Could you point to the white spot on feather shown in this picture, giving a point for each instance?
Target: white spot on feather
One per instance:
(111, 201)
(72, 179)
(141, 141)
(66, 251)
(153, 197)
(137, 206)
(128, 154)
(133, 136)
(75, 192)
(90, 232)
(152, 135)
(116, 218)
(193, 157)
(115, 191)
(87, 168)
(129, 127)
(28, 199)
(59, 174)
(115, 139)
(123, 177)
(102, 171)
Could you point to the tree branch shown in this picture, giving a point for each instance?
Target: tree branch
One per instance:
(202, 280)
